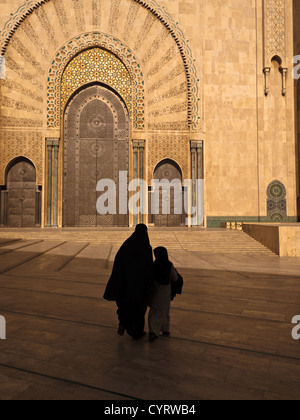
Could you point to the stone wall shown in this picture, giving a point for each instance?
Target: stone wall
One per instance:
(202, 64)
(283, 239)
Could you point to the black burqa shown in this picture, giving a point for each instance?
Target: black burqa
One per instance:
(131, 280)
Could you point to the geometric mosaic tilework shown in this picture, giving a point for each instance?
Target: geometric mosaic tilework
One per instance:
(168, 146)
(276, 201)
(92, 65)
(124, 56)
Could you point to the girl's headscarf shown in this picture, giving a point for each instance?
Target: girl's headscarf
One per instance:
(162, 266)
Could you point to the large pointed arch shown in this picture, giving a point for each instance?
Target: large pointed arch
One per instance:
(158, 11)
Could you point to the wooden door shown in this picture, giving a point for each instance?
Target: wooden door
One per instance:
(21, 197)
(96, 146)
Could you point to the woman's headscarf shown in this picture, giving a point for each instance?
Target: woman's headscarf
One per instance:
(140, 236)
(162, 266)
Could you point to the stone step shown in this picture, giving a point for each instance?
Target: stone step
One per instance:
(219, 241)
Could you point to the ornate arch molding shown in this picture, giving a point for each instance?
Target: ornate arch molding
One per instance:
(86, 41)
(191, 73)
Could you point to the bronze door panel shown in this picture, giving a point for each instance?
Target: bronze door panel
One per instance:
(94, 148)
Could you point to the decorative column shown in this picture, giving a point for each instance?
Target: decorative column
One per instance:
(283, 72)
(141, 177)
(197, 178)
(193, 165)
(138, 173)
(135, 173)
(49, 182)
(38, 207)
(55, 182)
(52, 181)
(267, 71)
(200, 186)
(199, 160)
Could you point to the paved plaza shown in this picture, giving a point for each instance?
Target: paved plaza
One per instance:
(231, 328)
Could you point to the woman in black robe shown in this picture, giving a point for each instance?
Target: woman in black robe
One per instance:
(130, 284)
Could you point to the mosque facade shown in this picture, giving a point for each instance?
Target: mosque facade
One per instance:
(196, 90)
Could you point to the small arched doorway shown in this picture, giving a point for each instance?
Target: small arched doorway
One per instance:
(96, 147)
(20, 197)
(169, 170)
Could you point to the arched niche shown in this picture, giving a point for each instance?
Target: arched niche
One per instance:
(169, 170)
(20, 196)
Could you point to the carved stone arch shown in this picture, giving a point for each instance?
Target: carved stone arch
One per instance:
(172, 162)
(84, 42)
(162, 15)
(16, 160)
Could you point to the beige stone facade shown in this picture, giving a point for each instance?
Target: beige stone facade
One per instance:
(201, 71)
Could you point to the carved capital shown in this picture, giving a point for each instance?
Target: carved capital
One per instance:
(196, 145)
(52, 142)
(138, 144)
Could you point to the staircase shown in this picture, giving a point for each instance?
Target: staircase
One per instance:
(223, 242)
(219, 241)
